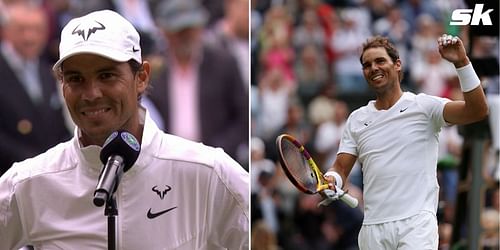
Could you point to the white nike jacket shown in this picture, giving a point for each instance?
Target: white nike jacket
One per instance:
(178, 195)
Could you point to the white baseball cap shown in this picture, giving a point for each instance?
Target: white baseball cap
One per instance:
(104, 33)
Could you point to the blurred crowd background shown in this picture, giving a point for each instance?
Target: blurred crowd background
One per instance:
(300, 67)
(307, 78)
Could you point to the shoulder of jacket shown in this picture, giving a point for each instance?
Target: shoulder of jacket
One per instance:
(180, 149)
(56, 159)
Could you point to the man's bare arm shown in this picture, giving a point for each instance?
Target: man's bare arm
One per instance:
(474, 107)
(343, 165)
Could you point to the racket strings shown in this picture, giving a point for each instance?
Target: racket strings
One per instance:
(298, 166)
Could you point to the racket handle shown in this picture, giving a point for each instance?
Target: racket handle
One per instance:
(349, 200)
(339, 195)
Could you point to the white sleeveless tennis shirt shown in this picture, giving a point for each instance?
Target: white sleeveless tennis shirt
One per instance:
(398, 150)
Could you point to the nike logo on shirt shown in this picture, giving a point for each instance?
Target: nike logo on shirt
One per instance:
(152, 215)
(403, 110)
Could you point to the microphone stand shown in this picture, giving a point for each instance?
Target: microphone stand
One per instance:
(120, 144)
(111, 211)
(105, 195)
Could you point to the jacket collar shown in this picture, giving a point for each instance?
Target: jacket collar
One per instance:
(151, 139)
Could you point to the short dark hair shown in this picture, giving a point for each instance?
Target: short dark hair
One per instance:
(382, 42)
(377, 42)
(136, 67)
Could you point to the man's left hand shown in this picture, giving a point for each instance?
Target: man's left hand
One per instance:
(452, 49)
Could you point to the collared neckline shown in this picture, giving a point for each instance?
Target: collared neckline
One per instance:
(90, 155)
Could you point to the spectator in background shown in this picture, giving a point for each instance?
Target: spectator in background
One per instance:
(413, 9)
(327, 21)
(276, 52)
(263, 190)
(321, 108)
(266, 207)
(312, 73)
(327, 139)
(263, 238)
(138, 12)
(490, 219)
(199, 91)
(55, 11)
(347, 42)
(232, 33)
(424, 37)
(378, 9)
(31, 111)
(394, 27)
(295, 125)
(422, 43)
(277, 24)
(255, 27)
(273, 95)
(280, 56)
(432, 74)
(308, 32)
(259, 163)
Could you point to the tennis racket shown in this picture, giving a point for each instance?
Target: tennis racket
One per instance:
(303, 172)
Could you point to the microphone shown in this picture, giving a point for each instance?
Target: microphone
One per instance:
(118, 154)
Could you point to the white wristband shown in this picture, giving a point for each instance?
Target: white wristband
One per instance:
(338, 179)
(468, 78)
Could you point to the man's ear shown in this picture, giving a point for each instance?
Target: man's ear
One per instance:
(143, 77)
(397, 64)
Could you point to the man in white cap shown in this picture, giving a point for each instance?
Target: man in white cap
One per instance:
(177, 195)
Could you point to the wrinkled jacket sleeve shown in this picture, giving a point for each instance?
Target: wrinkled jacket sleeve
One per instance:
(12, 235)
